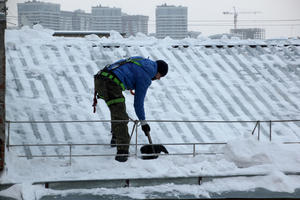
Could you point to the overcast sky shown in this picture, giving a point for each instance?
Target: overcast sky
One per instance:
(199, 10)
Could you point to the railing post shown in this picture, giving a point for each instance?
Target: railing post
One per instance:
(194, 150)
(3, 13)
(255, 127)
(70, 147)
(134, 128)
(136, 138)
(8, 135)
(258, 131)
(270, 130)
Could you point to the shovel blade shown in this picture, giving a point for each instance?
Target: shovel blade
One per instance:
(152, 149)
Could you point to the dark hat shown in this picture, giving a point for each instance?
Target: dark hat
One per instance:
(162, 67)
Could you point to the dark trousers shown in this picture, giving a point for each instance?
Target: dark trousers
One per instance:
(109, 91)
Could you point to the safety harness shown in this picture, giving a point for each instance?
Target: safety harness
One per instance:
(114, 78)
(106, 72)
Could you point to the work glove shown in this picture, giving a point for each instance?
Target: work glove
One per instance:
(145, 127)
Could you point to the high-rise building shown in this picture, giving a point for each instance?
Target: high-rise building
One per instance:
(76, 21)
(37, 12)
(171, 21)
(81, 21)
(66, 20)
(249, 33)
(106, 19)
(132, 24)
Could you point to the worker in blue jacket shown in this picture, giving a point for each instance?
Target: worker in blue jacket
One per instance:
(135, 73)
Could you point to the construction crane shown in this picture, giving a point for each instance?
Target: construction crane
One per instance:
(235, 15)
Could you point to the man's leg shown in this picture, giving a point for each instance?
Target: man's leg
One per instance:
(120, 129)
(101, 86)
(112, 94)
(117, 107)
(113, 140)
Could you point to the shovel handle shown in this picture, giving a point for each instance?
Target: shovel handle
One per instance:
(148, 136)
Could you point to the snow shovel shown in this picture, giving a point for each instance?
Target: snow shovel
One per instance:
(152, 149)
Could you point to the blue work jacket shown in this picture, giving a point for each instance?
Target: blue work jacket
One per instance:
(136, 76)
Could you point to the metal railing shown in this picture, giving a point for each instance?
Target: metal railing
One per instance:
(71, 155)
(269, 122)
(70, 146)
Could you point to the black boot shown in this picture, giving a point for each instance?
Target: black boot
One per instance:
(122, 158)
(113, 141)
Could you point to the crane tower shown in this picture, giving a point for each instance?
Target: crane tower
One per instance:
(235, 14)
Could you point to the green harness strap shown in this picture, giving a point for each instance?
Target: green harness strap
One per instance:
(106, 74)
(113, 101)
(135, 61)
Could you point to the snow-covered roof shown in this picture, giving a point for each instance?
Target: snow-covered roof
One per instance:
(224, 80)
(51, 79)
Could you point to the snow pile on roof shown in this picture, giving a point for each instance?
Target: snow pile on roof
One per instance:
(51, 78)
(250, 152)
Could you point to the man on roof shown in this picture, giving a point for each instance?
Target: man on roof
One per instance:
(135, 73)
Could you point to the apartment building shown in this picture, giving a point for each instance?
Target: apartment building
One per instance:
(106, 19)
(37, 12)
(66, 20)
(81, 20)
(132, 24)
(171, 21)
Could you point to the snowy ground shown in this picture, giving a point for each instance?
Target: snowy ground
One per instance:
(50, 78)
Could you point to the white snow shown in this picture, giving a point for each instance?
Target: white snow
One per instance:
(51, 62)
(241, 156)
